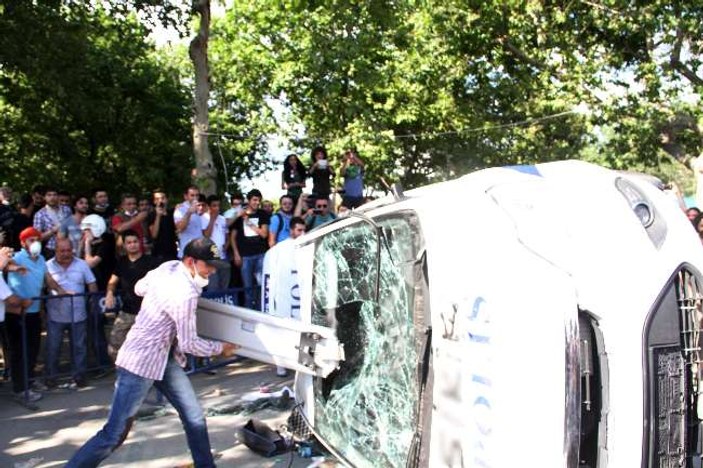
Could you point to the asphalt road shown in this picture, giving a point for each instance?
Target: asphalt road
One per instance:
(65, 419)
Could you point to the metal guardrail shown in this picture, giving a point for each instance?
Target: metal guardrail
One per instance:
(96, 313)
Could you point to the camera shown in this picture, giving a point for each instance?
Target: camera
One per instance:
(317, 211)
(310, 201)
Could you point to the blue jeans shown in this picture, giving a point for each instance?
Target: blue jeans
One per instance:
(252, 271)
(130, 392)
(79, 349)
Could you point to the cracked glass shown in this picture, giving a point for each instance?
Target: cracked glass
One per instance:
(367, 409)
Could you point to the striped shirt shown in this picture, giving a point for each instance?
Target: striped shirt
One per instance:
(166, 320)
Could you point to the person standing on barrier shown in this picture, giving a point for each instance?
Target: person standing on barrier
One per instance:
(24, 328)
(9, 301)
(153, 355)
(353, 172)
(68, 313)
(129, 269)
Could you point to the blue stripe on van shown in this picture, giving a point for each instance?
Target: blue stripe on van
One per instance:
(526, 170)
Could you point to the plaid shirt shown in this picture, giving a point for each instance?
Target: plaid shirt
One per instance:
(166, 320)
(45, 221)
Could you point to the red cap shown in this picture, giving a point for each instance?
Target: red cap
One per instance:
(29, 232)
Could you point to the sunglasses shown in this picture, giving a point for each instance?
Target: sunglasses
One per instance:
(320, 206)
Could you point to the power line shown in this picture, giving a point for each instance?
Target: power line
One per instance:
(581, 109)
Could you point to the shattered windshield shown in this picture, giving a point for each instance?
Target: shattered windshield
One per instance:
(367, 409)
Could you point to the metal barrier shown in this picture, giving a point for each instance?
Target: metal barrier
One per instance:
(95, 321)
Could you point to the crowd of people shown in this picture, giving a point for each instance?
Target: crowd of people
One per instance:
(71, 245)
(61, 251)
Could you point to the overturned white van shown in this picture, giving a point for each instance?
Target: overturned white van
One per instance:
(543, 315)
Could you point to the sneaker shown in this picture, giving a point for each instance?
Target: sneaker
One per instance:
(31, 396)
(281, 372)
(81, 382)
(70, 385)
(50, 384)
(38, 386)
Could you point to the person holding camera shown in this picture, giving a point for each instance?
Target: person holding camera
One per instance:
(164, 246)
(321, 172)
(186, 218)
(318, 214)
(353, 173)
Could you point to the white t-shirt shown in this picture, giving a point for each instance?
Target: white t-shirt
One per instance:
(219, 232)
(280, 292)
(192, 231)
(5, 292)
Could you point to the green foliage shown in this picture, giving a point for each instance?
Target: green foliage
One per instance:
(424, 90)
(429, 90)
(85, 102)
(240, 118)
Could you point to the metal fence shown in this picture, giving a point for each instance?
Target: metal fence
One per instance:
(88, 312)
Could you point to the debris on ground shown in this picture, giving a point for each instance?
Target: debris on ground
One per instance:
(31, 463)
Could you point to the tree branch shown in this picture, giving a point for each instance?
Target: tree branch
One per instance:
(522, 56)
(678, 65)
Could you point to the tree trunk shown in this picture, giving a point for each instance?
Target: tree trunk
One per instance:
(205, 174)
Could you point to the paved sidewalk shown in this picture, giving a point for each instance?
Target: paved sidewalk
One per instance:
(66, 418)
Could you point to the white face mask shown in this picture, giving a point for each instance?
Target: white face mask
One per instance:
(200, 281)
(35, 248)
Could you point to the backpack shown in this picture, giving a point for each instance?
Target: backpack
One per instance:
(281, 226)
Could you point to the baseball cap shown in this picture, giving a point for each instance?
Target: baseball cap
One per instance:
(203, 249)
(29, 232)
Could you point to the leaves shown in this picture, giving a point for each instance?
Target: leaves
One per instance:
(429, 90)
(424, 90)
(88, 103)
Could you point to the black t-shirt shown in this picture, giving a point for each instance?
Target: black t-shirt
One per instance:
(164, 245)
(321, 181)
(7, 215)
(105, 249)
(11, 224)
(248, 242)
(107, 213)
(129, 273)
